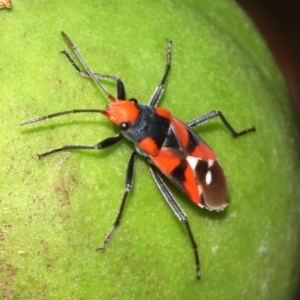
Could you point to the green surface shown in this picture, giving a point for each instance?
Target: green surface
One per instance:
(56, 211)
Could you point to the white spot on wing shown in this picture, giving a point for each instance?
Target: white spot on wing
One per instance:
(210, 162)
(192, 160)
(208, 177)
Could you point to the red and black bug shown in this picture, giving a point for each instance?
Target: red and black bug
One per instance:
(168, 144)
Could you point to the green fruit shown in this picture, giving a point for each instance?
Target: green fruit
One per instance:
(55, 212)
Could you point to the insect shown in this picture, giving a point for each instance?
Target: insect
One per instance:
(168, 144)
(5, 4)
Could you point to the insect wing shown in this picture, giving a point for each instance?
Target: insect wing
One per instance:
(208, 171)
(193, 167)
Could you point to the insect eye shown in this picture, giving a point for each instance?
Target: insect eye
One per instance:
(124, 126)
(133, 100)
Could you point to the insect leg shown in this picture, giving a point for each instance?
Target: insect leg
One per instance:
(214, 114)
(128, 186)
(160, 89)
(119, 82)
(180, 215)
(88, 69)
(103, 144)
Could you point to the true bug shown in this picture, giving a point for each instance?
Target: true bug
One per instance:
(168, 144)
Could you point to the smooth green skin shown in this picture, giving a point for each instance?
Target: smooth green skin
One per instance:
(56, 211)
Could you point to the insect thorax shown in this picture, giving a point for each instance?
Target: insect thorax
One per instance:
(147, 125)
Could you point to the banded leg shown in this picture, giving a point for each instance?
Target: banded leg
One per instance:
(180, 215)
(103, 144)
(127, 189)
(160, 89)
(120, 86)
(214, 114)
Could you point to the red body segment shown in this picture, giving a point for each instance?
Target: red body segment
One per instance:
(160, 111)
(181, 132)
(149, 146)
(122, 112)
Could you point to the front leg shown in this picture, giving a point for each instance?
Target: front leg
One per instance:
(120, 86)
(104, 144)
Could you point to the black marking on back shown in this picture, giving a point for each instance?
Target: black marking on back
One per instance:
(171, 140)
(149, 124)
(193, 141)
(178, 172)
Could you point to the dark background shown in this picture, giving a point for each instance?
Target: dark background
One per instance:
(279, 23)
